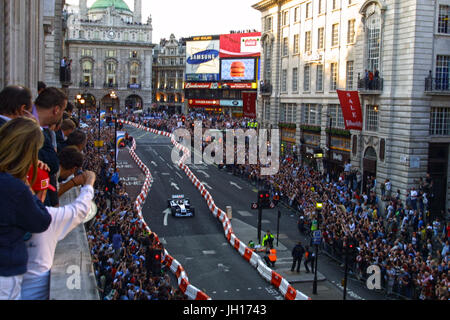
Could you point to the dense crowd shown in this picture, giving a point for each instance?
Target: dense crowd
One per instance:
(410, 247)
(48, 171)
(117, 239)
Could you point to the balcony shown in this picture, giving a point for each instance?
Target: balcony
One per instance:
(265, 89)
(86, 84)
(374, 86)
(437, 86)
(110, 85)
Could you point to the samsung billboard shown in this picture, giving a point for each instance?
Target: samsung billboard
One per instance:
(202, 60)
(237, 69)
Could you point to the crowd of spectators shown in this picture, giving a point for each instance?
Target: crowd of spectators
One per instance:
(117, 238)
(410, 247)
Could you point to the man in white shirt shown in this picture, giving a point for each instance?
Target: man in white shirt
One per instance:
(41, 247)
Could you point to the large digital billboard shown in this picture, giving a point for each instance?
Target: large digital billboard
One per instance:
(237, 69)
(240, 45)
(202, 60)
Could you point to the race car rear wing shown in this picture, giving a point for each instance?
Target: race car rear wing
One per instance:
(178, 196)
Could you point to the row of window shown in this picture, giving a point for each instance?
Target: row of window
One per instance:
(97, 35)
(110, 53)
(171, 61)
(311, 115)
(111, 68)
(320, 45)
(319, 69)
(442, 25)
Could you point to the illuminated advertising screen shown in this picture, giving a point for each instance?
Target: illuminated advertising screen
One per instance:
(237, 69)
(240, 45)
(202, 60)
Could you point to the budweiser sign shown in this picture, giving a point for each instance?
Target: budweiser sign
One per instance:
(201, 85)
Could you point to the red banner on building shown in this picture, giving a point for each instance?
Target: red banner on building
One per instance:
(249, 100)
(351, 109)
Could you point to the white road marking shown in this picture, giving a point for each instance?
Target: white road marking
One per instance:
(244, 213)
(179, 175)
(207, 185)
(205, 252)
(165, 174)
(204, 173)
(173, 184)
(154, 163)
(166, 214)
(236, 185)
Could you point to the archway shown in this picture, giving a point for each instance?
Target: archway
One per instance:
(134, 102)
(369, 166)
(109, 104)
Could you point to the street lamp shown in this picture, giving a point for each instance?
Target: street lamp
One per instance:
(114, 96)
(319, 206)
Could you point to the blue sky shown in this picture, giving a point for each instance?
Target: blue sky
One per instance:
(196, 17)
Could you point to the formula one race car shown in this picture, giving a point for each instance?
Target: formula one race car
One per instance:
(180, 206)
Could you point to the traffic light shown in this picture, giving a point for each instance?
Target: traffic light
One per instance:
(264, 199)
(154, 262)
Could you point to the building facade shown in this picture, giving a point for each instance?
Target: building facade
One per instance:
(110, 50)
(311, 48)
(168, 75)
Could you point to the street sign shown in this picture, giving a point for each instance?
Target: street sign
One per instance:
(316, 237)
(254, 206)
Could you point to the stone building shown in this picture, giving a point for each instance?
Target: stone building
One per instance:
(168, 74)
(311, 48)
(111, 51)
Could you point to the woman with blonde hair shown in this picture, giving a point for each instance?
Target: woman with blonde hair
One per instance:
(21, 211)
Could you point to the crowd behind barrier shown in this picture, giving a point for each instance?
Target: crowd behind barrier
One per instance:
(117, 237)
(410, 247)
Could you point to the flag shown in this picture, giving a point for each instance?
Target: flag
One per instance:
(351, 109)
(119, 138)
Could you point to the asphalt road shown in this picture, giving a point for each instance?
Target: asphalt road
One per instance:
(198, 243)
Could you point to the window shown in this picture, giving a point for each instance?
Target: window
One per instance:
(440, 121)
(110, 53)
(126, 36)
(308, 10)
(442, 72)
(306, 77)
(335, 35)
(372, 118)
(134, 73)
(81, 34)
(285, 18)
(97, 35)
(296, 14)
(284, 80)
(320, 38)
(266, 110)
(320, 6)
(373, 41)
(319, 77)
(335, 111)
(296, 43)
(111, 73)
(267, 61)
(285, 46)
(308, 41)
(335, 4)
(87, 72)
(311, 114)
(268, 24)
(333, 76)
(351, 31)
(349, 73)
(295, 79)
(288, 113)
(86, 52)
(134, 54)
(443, 19)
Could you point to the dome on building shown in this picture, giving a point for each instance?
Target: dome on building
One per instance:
(104, 4)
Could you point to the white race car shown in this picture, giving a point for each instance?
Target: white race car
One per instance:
(180, 207)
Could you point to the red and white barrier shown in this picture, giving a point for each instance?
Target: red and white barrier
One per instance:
(183, 282)
(289, 292)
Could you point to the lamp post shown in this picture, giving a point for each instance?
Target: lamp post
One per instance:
(114, 96)
(78, 98)
(329, 147)
(319, 206)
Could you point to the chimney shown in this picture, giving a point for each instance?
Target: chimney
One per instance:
(137, 16)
